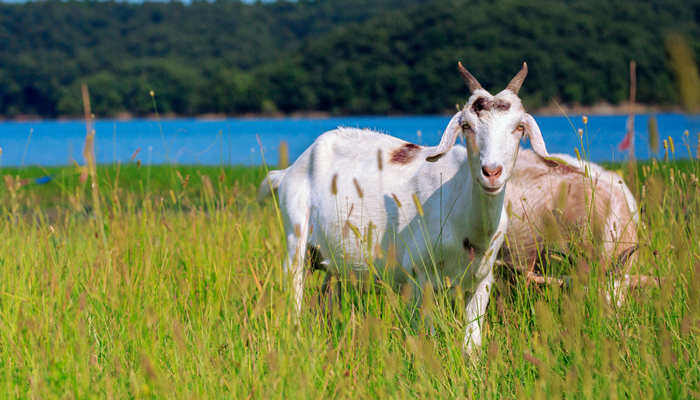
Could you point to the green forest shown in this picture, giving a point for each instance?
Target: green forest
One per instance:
(336, 56)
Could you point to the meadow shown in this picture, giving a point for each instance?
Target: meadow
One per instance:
(166, 282)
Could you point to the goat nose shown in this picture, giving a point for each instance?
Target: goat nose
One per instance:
(492, 173)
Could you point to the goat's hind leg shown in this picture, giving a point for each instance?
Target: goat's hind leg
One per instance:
(297, 239)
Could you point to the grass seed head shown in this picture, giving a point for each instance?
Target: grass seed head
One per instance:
(419, 206)
(396, 199)
(671, 146)
(653, 129)
(406, 292)
(391, 260)
(428, 300)
(355, 230)
(283, 155)
(360, 193)
(334, 185)
(368, 234)
(378, 253)
(562, 195)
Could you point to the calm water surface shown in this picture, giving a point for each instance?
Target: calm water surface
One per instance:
(234, 141)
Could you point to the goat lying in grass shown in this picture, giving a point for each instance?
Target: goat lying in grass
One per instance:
(439, 211)
(553, 206)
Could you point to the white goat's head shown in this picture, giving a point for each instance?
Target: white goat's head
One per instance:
(492, 127)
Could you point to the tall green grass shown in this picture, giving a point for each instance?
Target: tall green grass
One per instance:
(186, 299)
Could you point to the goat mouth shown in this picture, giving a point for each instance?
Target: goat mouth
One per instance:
(491, 189)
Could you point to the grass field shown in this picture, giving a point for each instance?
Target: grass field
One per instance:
(168, 284)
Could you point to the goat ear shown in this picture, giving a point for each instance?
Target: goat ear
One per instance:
(535, 135)
(448, 138)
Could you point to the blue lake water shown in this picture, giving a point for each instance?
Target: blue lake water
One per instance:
(234, 141)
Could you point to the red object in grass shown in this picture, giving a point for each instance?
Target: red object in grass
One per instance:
(626, 142)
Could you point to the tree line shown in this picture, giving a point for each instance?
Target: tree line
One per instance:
(339, 56)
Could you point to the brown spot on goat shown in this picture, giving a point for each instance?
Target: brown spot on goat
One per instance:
(501, 105)
(481, 104)
(484, 104)
(405, 154)
(563, 168)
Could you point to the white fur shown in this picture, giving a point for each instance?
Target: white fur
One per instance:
(355, 227)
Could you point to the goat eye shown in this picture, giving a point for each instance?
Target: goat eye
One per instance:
(466, 127)
(520, 129)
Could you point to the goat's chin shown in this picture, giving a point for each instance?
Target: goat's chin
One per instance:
(491, 190)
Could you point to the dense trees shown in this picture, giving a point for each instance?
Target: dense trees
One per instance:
(349, 56)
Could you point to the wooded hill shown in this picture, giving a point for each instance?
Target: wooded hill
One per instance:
(349, 56)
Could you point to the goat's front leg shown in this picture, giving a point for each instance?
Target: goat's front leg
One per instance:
(475, 311)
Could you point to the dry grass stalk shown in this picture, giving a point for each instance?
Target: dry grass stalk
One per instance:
(283, 155)
(89, 154)
(686, 71)
(653, 129)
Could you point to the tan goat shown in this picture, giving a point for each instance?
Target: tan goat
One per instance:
(555, 206)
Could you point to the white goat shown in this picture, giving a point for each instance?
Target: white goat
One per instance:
(444, 219)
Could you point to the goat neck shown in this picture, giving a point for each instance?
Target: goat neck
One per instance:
(486, 212)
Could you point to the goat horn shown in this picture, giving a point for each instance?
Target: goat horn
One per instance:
(518, 79)
(468, 78)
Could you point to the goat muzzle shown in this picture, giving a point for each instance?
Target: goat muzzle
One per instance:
(492, 173)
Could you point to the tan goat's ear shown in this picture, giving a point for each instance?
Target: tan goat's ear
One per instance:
(448, 138)
(533, 132)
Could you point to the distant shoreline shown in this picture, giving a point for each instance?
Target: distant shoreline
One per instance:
(603, 108)
(550, 110)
